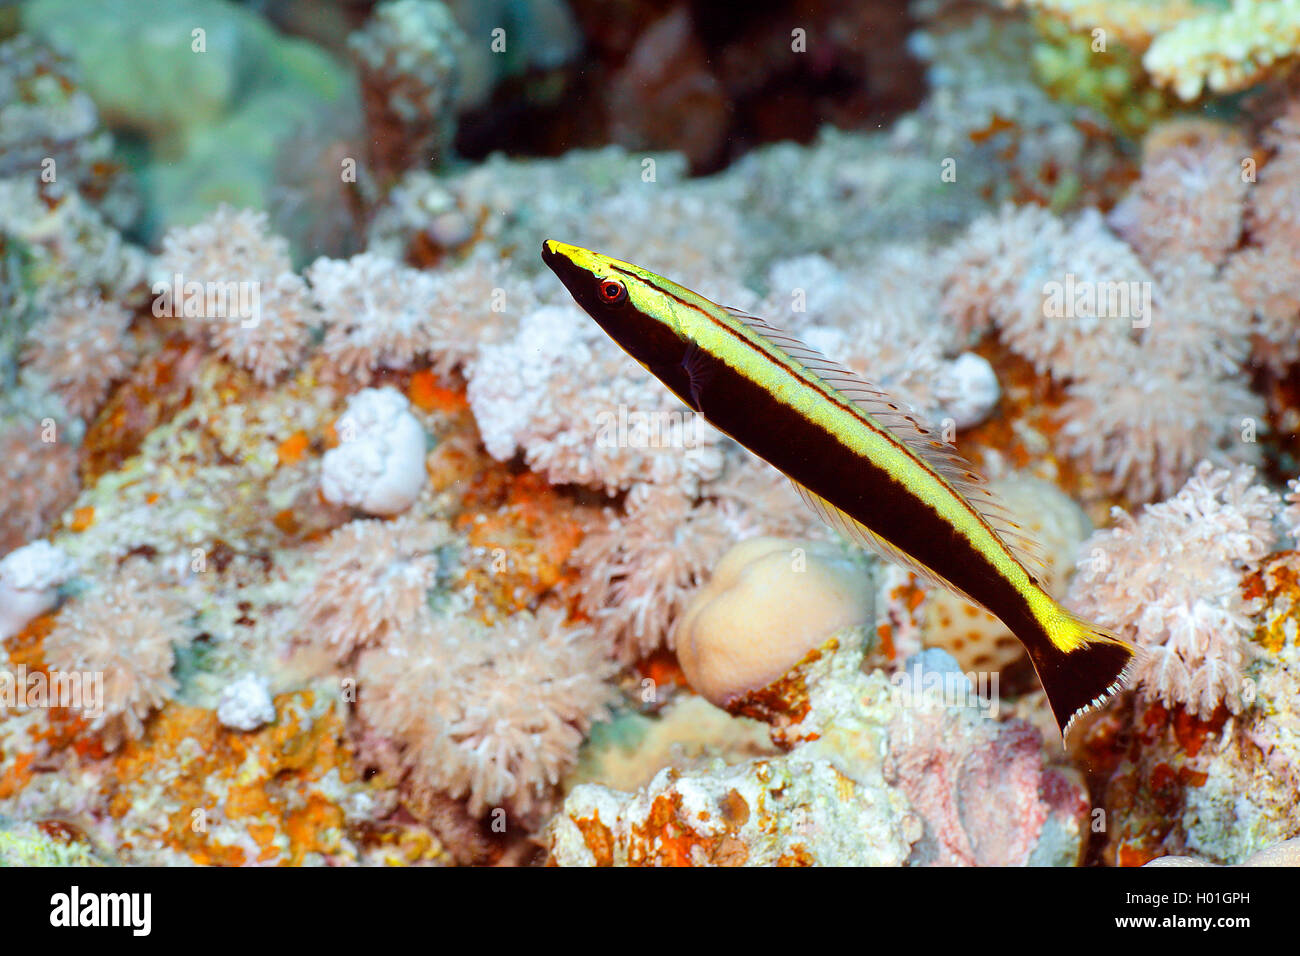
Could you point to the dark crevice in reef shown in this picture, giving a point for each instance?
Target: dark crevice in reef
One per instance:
(697, 78)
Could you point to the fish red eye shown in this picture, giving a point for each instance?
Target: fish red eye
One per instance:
(612, 292)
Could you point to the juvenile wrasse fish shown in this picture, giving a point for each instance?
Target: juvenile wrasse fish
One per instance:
(866, 464)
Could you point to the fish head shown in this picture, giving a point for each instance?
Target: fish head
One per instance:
(635, 306)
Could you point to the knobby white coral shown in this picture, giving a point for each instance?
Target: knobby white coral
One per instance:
(494, 715)
(1170, 580)
(378, 465)
(245, 704)
(29, 581)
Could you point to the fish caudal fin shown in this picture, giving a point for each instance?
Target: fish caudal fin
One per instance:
(1081, 665)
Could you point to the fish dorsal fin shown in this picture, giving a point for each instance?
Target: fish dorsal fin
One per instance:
(911, 429)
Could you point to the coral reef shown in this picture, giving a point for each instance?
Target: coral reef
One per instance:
(1098, 72)
(998, 130)
(123, 630)
(48, 123)
(207, 74)
(641, 570)
(46, 844)
(373, 549)
(57, 244)
(380, 315)
(260, 320)
(79, 349)
(1286, 853)
(1263, 273)
(626, 752)
(284, 794)
(1204, 759)
(1120, 325)
(373, 582)
(40, 480)
(726, 818)
(865, 773)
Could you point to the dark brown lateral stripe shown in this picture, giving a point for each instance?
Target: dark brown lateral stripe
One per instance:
(862, 489)
(662, 372)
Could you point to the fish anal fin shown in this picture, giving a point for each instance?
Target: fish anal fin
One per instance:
(854, 530)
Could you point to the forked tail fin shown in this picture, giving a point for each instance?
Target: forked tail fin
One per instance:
(1080, 665)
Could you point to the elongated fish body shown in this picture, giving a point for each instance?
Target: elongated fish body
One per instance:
(861, 459)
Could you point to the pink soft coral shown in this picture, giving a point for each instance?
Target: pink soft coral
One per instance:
(123, 629)
(494, 715)
(378, 313)
(1170, 581)
(641, 569)
(374, 581)
(1153, 389)
(39, 479)
(236, 259)
(80, 349)
(1266, 274)
(1189, 200)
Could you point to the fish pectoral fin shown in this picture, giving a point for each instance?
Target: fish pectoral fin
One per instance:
(860, 533)
(698, 373)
